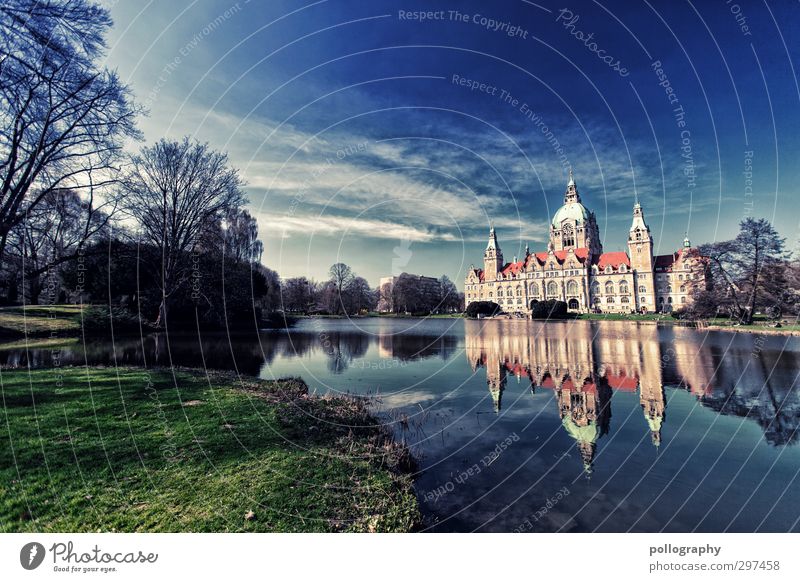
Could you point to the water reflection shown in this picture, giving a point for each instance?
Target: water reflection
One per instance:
(585, 364)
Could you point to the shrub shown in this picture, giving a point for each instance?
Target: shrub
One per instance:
(97, 320)
(549, 309)
(482, 308)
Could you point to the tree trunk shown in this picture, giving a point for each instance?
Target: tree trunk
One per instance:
(161, 320)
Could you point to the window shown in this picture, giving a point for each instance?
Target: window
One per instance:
(534, 289)
(568, 238)
(669, 299)
(609, 270)
(642, 289)
(609, 287)
(572, 287)
(623, 287)
(552, 289)
(683, 288)
(680, 277)
(642, 300)
(623, 269)
(683, 299)
(609, 300)
(669, 288)
(624, 300)
(519, 291)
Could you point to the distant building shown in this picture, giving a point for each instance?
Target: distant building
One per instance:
(574, 269)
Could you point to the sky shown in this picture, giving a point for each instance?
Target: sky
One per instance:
(390, 135)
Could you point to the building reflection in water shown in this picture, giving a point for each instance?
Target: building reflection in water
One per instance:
(585, 365)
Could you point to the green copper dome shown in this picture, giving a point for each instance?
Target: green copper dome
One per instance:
(573, 211)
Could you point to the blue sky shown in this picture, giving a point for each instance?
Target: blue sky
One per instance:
(369, 136)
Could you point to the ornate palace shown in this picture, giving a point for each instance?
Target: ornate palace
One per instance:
(574, 269)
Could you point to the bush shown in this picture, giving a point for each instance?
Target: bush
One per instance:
(482, 308)
(97, 320)
(549, 309)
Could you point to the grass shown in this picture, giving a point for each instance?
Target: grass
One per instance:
(35, 343)
(36, 320)
(128, 450)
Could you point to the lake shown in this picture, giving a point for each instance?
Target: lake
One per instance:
(529, 426)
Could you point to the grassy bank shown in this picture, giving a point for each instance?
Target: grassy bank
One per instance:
(40, 320)
(131, 450)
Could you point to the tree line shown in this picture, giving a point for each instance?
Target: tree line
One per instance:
(345, 293)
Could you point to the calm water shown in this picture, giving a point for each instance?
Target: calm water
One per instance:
(519, 425)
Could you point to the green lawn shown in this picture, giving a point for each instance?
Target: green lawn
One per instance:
(40, 319)
(125, 450)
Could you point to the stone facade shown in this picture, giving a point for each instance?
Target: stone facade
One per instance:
(574, 269)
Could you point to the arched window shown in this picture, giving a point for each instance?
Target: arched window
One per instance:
(642, 289)
(552, 288)
(519, 291)
(609, 300)
(642, 300)
(683, 299)
(609, 287)
(669, 299)
(490, 294)
(572, 287)
(683, 288)
(623, 287)
(569, 236)
(624, 300)
(680, 277)
(533, 289)
(609, 269)
(669, 288)
(623, 269)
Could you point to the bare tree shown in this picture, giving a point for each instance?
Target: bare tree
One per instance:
(359, 295)
(63, 119)
(241, 237)
(53, 233)
(298, 294)
(176, 191)
(341, 275)
(746, 272)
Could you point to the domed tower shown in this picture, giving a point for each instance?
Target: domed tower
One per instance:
(492, 258)
(640, 248)
(573, 226)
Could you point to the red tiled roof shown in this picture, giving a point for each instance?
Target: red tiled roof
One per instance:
(512, 268)
(615, 259)
(561, 256)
